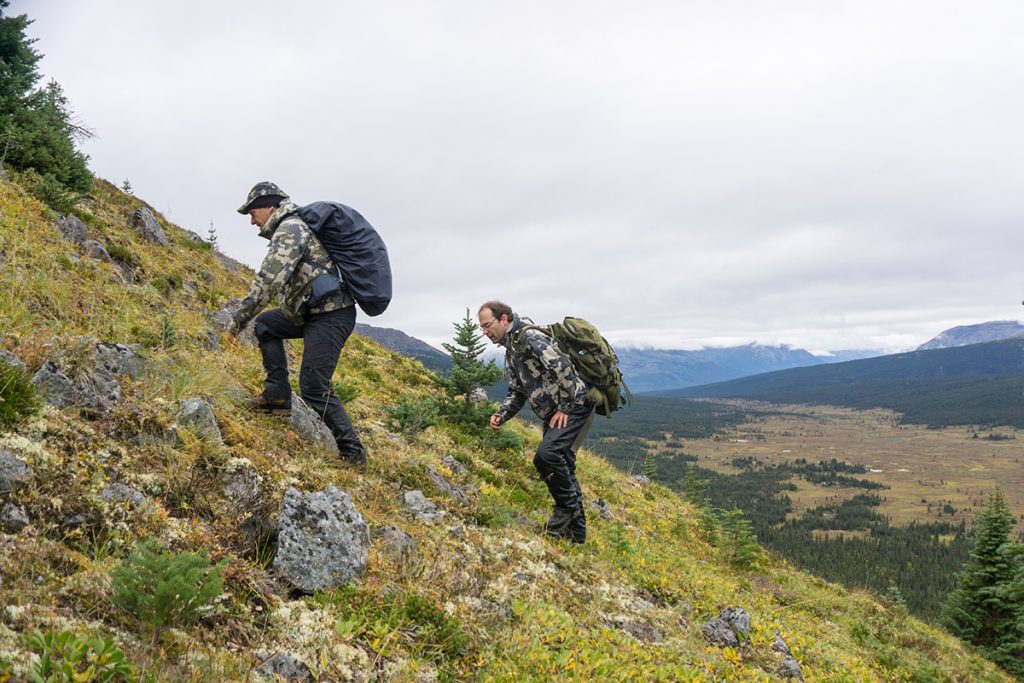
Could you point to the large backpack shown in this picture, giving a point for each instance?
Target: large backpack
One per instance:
(592, 357)
(356, 248)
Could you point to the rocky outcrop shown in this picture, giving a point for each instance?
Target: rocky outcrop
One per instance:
(729, 628)
(122, 494)
(12, 360)
(197, 415)
(119, 359)
(13, 472)
(398, 545)
(13, 518)
(603, 511)
(94, 249)
(447, 487)
(283, 666)
(143, 220)
(305, 421)
(420, 508)
(54, 386)
(322, 540)
(72, 229)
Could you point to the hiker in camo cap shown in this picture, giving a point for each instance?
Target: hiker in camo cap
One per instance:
(539, 373)
(314, 307)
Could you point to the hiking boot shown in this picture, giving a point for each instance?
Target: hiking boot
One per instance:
(561, 518)
(355, 458)
(261, 404)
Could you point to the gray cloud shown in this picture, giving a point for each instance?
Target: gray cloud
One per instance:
(830, 175)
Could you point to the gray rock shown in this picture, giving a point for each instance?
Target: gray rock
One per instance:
(243, 485)
(119, 359)
(421, 508)
(72, 229)
(54, 386)
(307, 423)
(641, 630)
(790, 668)
(231, 264)
(94, 249)
(197, 415)
(322, 540)
(12, 360)
(641, 479)
(283, 666)
(738, 620)
(718, 632)
(478, 395)
(603, 511)
(398, 545)
(122, 494)
(13, 472)
(455, 466)
(126, 271)
(143, 220)
(445, 486)
(779, 645)
(13, 518)
(98, 390)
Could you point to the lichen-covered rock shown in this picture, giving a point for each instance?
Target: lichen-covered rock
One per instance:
(738, 620)
(119, 359)
(398, 545)
(455, 466)
(307, 423)
(12, 360)
(283, 666)
(145, 223)
(122, 494)
(421, 508)
(603, 511)
(718, 632)
(446, 487)
(13, 518)
(641, 480)
(13, 472)
(478, 395)
(243, 485)
(322, 540)
(98, 390)
(779, 645)
(197, 415)
(641, 630)
(94, 249)
(54, 386)
(790, 668)
(72, 229)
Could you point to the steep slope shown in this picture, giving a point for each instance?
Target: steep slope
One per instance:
(974, 334)
(976, 384)
(476, 594)
(400, 342)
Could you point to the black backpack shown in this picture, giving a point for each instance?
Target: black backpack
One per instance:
(356, 248)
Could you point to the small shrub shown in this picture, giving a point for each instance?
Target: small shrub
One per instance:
(346, 393)
(164, 589)
(168, 333)
(493, 512)
(18, 399)
(64, 656)
(501, 440)
(165, 284)
(49, 190)
(650, 466)
(413, 415)
(123, 254)
(618, 541)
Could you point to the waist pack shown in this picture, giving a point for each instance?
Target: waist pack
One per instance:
(356, 249)
(592, 357)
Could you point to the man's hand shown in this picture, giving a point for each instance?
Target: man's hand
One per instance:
(495, 422)
(558, 420)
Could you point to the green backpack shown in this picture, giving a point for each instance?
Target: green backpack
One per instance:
(592, 356)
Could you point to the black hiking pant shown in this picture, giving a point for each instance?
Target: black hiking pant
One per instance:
(323, 335)
(556, 462)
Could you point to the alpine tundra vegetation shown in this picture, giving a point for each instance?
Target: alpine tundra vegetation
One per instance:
(131, 454)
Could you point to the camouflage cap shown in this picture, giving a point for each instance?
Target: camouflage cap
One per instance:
(264, 189)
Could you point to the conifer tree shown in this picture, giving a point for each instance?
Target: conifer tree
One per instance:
(987, 607)
(469, 372)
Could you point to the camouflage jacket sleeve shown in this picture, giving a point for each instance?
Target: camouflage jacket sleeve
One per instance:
(287, 247)
(559, 375)
(516, 397)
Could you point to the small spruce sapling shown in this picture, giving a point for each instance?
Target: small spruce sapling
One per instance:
(468, 373)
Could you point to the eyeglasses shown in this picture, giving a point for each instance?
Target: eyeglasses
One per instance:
(487, 325)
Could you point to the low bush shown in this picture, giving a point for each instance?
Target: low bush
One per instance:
(64, 656)
(18, 399)
(412, 415)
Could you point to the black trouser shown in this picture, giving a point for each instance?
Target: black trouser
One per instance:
(323, 337)
(556, 462)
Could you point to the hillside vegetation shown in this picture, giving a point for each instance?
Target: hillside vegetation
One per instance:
(477, 594)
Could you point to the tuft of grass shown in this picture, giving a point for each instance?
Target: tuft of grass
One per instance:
(18, 400)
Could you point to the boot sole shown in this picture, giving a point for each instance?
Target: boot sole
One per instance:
(274, 411)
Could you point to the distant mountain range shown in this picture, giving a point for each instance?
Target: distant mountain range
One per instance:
(400, 342)
(648, 370)
(974, 334)
(974, 384)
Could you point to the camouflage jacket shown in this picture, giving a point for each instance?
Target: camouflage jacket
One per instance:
(538, 372)
(294, 259)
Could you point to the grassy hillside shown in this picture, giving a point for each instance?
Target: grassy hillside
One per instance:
(484, 597)
(979, 384)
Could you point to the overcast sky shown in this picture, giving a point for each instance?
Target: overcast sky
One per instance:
(830, 175)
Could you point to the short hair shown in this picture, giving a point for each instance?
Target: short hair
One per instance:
(497, 309)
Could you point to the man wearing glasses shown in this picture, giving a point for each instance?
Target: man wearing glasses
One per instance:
(544, 376)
